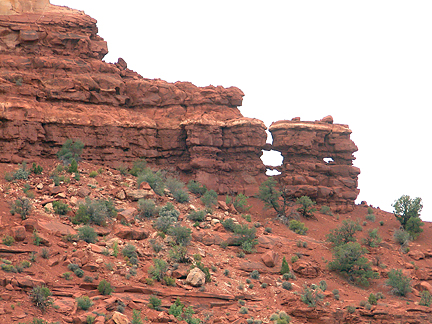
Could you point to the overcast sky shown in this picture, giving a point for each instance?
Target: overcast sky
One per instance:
(366, 63)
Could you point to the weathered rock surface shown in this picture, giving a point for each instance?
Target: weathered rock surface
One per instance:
(304, 146)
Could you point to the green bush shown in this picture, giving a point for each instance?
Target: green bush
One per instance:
(73, 167)
(349, 261)
(285, 267)
(269, 194)
(399, 282)
(335, 293)
(154, 303)
(146, 208)
(401, 236)
(297, 227)
(41, 297)
(164, 223)
(414, 227)
(279, 318)
(129, 251)
(196, 188)
(158, 270)
(84, 302)
(322, 285)
(305, 209)
(311, 296)
(22, 206)
(197, 215)
(405, 208)
(94, 211)
(154, 179)
(425, 298)
(287, 285)
(243, 310)
(177, 189)
(87, 234)
(79, 273)
(370, 217)
(178, 253)
(373, 239)
(372, 299)
(138, 167)
(169, 210)
(209, 199)
(104, 287)
(181, 234)
(255, 274)
(60, 208)
(8, 240)
(344, 234)
(21, 173)
(70, 150)
(240, 203)
(229, 224)
(36, 168)
(326, 210)
(136, 317)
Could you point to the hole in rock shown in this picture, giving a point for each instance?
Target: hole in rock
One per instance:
(272, 158)
(328, 160)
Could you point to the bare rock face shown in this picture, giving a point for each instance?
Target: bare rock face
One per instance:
(195, 278)
(305, 147)
(54, 85)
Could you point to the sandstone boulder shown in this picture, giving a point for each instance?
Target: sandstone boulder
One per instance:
(270, 258)
(18, 233)
(196, 278)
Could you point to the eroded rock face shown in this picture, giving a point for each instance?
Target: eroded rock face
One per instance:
(54, 85)
(305, 146)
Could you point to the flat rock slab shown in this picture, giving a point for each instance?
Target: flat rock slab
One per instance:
(57, 227)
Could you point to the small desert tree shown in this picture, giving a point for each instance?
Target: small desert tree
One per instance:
(344, 233)
(306, 208)
(270, 195)
(406, 208)
(350, 262)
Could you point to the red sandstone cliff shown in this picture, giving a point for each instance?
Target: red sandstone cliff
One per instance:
(54, 85)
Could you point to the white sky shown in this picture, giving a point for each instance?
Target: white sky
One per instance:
(366, 63)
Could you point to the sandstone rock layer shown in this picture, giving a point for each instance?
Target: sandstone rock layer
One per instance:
(54, 85)
(317, 161)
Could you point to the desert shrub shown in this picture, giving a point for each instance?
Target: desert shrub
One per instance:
(197, 215)
(87, 234)
(94, 211)
(269, 194)
(84, 302)
(204, 269)
(370, 217)
(21, 173)
(305, 209)
(177, 189)
(178, 253)
(45, 253)
(41, 297)
(425, 298)
(285, 267)
(297, 227)
(73, 167)
(372, 299)
(60, 207)
(405, 208)
(169, 281)
(280, 317)
(93, 174)
(158, 270)
(156, 180)
(243, 310)
(136, 317)
(164, 223)
(169, 210)
(399, 282)
(287, 285)
(322, 285)
(209, 199)
(344, 233)
(326, 210)
(70, 150)
(373, 239)
(196, 188)
(104, 287)
(157, 247)
(180, 312)
(240, 203)
(8, 240)
(311, 296)
(138, 167)
(129, 251)
(349, 261)
(154, 303)
(335, 293)
(21, 206)
(36, 168)
(146, 208)
(79, 273)
(413, 227)
(229, 224)
(255, 274)
(181, 234)
(401, 236)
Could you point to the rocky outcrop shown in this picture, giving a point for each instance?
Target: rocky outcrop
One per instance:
(317, 161)
(54, 85)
